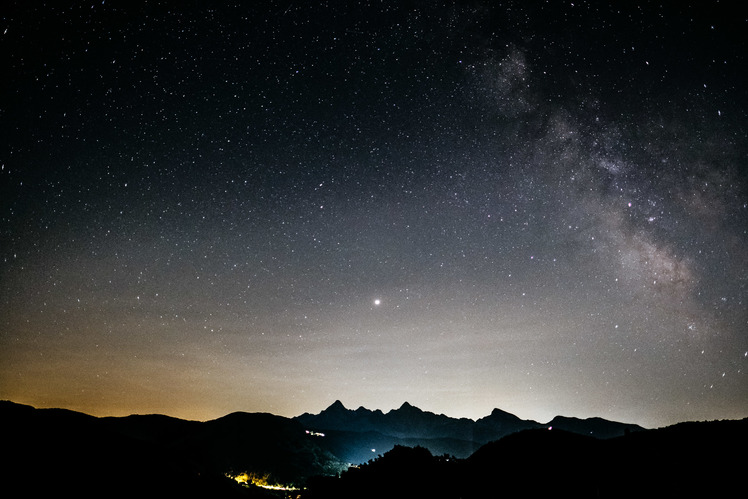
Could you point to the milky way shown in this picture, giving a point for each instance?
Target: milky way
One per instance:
(466, 205)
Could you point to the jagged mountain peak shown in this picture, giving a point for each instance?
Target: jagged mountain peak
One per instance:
(407, 407)
(336, 406)
(499, 415)
(499, 412)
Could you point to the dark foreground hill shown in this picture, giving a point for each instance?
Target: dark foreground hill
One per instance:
(703, 459)
(56, 452)
(50, 451)
(687, 460)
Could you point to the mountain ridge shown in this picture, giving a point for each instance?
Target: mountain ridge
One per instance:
(413, 424)
(338, 407)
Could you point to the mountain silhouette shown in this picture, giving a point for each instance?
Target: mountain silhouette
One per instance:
(51, 451)
(364, 429)
(152, 455)
(404, 452)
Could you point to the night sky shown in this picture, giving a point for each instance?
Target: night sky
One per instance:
(266, 206)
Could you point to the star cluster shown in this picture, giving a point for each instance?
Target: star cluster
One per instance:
(267, 206)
